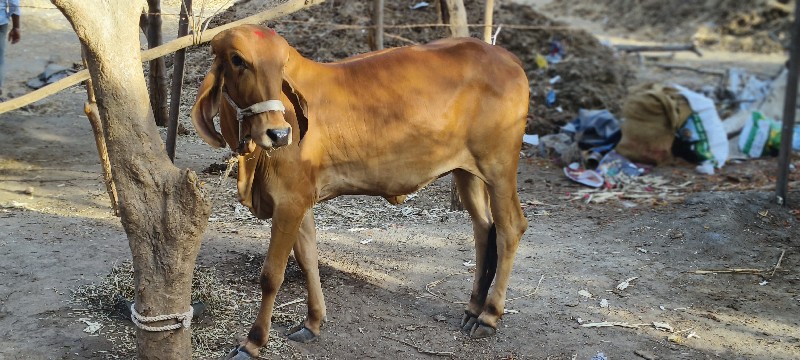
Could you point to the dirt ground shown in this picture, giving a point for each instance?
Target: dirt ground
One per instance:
(395, 278)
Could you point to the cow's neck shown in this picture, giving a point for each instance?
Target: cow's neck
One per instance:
(302, 73)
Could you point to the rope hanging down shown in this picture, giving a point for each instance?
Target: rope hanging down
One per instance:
(139, 320)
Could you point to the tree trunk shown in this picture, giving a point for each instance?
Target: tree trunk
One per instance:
(157, 77)
(457, 17)
(162, 208)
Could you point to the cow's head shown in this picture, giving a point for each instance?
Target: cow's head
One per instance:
(247, 79)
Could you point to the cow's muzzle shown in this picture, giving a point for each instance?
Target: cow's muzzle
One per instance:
(279, 137)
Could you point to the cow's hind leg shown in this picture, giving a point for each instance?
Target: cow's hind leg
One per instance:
(510, 224)
(473, 195)
(305, 252)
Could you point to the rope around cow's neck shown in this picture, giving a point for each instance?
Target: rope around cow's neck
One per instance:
(185, 320)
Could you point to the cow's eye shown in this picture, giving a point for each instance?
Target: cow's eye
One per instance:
(237, 60)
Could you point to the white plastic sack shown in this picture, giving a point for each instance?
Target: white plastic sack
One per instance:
(715, 131)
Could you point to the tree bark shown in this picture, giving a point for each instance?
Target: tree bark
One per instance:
(157, 77)
(162, 208)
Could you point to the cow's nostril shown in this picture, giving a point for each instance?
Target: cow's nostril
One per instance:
(279, 136)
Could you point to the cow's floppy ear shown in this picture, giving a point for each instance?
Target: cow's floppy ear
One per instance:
(300, 107)
(206, 106)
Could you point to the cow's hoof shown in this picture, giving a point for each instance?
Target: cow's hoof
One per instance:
(467, 322)
(301, 334)
(480, 331)
(238, 354)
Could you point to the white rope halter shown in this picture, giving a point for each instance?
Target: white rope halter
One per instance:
(255, 109)
(139, 320)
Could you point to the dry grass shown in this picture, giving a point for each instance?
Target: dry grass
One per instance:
(228, 310)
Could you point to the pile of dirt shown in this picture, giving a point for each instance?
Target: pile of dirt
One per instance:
(591, 77)
(761, 26)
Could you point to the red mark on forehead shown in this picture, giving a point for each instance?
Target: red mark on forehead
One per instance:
(260, 33)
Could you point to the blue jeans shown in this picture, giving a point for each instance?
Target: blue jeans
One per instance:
(3, 42)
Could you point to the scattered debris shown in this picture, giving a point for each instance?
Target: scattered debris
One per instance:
(419, 5)
(614, 323)
(599, 356)
(624, 285)
(530, 293)
(429, 287)
(778, 264)
(420, 349)
(750, 271)
(92, 326)
(645, 355)
(726, 271)
(531, 139)
(52, 73)
(664, 48)
(604, 303)
(585, 294)
(657, 325)
(662, 326)
(675, 338)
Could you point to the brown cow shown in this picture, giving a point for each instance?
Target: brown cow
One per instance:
(386, 124)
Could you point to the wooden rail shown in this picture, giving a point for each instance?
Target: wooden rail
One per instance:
(156, 52)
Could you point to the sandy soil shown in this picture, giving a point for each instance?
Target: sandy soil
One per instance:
(399, 273)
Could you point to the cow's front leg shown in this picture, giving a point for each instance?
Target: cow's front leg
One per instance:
(285, 230)
(305, 252)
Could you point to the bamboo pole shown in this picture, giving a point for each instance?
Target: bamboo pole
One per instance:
(789, 111)
(488, 18)
(150, 54)
(377, 19)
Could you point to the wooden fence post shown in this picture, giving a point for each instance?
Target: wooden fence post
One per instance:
(377, 21)
(456, 15)
(488, 17)
(177, 81)
(789, 112)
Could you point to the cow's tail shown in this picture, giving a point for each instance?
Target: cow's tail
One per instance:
(490, 259)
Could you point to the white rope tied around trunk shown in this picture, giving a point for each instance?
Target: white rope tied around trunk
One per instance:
(185, 320)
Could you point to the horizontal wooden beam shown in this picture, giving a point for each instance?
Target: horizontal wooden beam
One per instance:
(156, 52)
